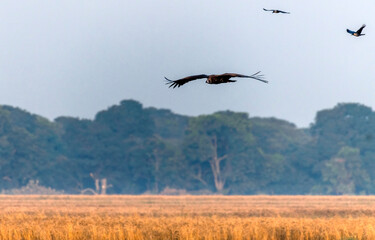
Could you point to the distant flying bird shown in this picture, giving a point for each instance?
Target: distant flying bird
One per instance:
(213, 79)
(358, 32)
(276, 11)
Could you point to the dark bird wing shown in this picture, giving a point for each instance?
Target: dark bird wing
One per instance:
(267, 9)
(182, 81)
(350, 31)
(256, 76)
(284, 12)
(359, 31)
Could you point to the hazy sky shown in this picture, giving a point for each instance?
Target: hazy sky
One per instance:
(75, 58)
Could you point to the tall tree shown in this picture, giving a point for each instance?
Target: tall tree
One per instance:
(343, 174)
(213, 142)
(345, 125)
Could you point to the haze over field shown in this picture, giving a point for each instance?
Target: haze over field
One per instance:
(76, 58)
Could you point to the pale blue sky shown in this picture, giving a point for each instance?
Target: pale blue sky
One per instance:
(75, 58)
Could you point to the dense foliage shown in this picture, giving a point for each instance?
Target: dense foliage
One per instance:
(133, 150)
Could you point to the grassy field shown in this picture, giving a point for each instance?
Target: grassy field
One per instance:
(187, 217)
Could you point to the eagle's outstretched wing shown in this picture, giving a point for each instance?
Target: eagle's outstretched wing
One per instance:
(267, 9)
(359, 31)
(182, 81)
(256, 76)
(284, 12)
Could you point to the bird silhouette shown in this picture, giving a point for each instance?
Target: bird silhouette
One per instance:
(276, 11)
(213, 79)
(358, 32)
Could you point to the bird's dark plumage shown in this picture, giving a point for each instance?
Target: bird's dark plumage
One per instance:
(213, 79)
(276, 11)
(358, 32)
(182, 81)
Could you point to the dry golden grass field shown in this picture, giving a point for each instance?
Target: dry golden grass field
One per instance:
(187, 217)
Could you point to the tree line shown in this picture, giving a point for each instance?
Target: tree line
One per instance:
(136, 150)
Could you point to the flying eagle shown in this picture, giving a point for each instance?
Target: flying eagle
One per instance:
(276, 11)
(213, 79)
(358, 32)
